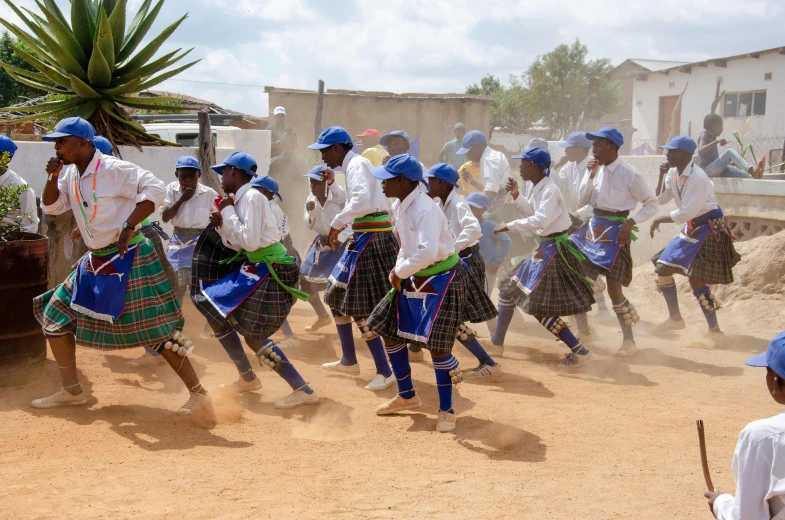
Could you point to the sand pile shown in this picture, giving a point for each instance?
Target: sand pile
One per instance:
(761, 270)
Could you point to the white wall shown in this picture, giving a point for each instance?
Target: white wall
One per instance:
(768, 131)
(31, 158)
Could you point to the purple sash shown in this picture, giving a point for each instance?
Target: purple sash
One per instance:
(598, 241)
(418, 303)
(531, 271)
(343, 271)
(101, 283)
(232, 290)
(320, 260)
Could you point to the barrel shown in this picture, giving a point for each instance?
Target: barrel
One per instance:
(23, 276)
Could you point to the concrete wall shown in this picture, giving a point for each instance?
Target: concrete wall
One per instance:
(425, 116)
(746, 74)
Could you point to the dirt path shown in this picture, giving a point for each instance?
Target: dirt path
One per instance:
(613, 440)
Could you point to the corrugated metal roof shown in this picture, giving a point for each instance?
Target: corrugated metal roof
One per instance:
(655, 65)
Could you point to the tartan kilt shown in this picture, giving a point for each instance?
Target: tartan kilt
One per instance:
(370, 283)
(476, 264)
(262, 313)
(621, 272)
(560, 292)
(452, 312)
(150, 316)
(152, 235)
(713, 264)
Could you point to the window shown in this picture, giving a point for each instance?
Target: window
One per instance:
(671, 84)
(745, 104)
(191, 139)
(767, 76)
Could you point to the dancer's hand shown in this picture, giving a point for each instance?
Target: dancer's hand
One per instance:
(593, 166)
(225, 202)
(512, 188)
(712, 496)
(310, 205)
(655, 226)
(332, 239)
(216, 219)
(75, 234)
(328, 175)
(625, 233)
(122, 242)
(501, 229)
(395, 281)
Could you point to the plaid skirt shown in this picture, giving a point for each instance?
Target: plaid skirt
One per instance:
(476, 264)
(713, 264)
(370, 283)
(262, 313)
(621, 272)
(560, 292)
(152, 235)
(150, 316)
(456, 308)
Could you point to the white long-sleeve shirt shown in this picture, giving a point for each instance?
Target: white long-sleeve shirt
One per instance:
(568, 179)
(692, 191)
(544, 210)
(280, 218)
(26, 199)
(119, 187)
(320, 218)
(364, 191)
(423, 233)
(759, 471)
(464, 226)
(250, 224)
(495, 170)
(619, 187)
(195, 212)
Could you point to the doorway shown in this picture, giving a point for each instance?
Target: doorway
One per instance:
(667, 105)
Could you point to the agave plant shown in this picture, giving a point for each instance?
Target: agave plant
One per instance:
(92, 66)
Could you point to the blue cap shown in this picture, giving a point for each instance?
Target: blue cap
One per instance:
(608, 132)
(316, 172)
(444, 172)
(774, 357)
(188, 161)
(75, 126)
(239, 160)
(537, 142)
(538, 156)
(330, 136)
(681, 142)
(7, 145)
(478, 199)
(103, 145)
(268, 183)
(470, 140)
(385, 138)
(576, 139)
(404, 165)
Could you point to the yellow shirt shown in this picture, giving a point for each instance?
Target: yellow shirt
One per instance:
(375, 154)
(473, 169)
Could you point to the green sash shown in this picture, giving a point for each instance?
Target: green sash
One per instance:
(273, 254)
(437, 268)
(622, 220)
(376, 224)
(112, 249)
(562, 244)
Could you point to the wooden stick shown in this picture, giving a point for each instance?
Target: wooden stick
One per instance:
(704, 460)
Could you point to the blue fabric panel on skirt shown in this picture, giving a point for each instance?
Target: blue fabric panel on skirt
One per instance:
(232, 290)
(181, 250)
(598, 242)
(100, 285)
(344, 269)
(418, 305)
(320, 260)
(682, 250)
(532, 270)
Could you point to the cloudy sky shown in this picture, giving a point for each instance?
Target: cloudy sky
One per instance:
(434, 45)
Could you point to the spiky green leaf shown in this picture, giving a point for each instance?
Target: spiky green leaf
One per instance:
(35, 76)
(32, 25)
(136, 37)
(111, 108)
(150, 49)
(82, 89)
(52, 105)
(92, 7)
(166, 75)
(85, 110)
(31, 42)
(154, 67)
(81, 24)
(58, 57)
(109, 6)
(155, 103)
(46, 87)
(50, 72)
(117, 22)
(51, 6)
(43, 25)
(105, 41)
(127, 88)
(53, 114)
(65, 37)
(98, 71)
(140, 14)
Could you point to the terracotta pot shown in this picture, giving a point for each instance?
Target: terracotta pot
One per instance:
(22, 277)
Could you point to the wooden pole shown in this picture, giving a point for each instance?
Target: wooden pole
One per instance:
(8, 131)
(317, 124)
(676, 109)
(207, 151)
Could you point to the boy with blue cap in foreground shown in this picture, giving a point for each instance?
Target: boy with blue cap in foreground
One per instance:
(243, 280)
(549, 284)
(758, 462)
(359, 280)
(442, 180)
(703, 250)
(431, 297)
(614, 189)
(27, 215)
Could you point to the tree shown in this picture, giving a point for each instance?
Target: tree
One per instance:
(12, 91)
(562, 85)
(508, 106)
(92, 64)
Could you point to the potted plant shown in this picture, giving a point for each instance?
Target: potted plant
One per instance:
(23, 271)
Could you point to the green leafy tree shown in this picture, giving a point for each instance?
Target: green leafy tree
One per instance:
(11, 91)
(94, 62)
(508, 106)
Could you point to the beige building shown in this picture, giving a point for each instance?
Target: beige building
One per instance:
(428, 117)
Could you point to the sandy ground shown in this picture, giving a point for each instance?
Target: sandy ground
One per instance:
(615, 439)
